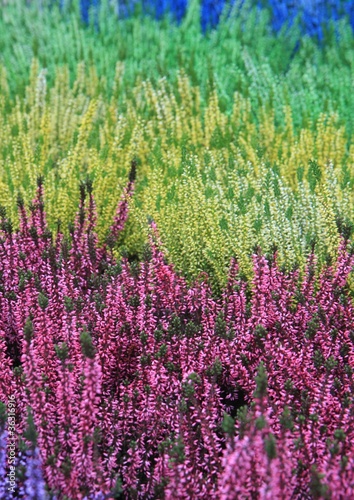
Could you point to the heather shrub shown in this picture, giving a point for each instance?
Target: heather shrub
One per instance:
(216, 184)
(197, 340)
(128, 379)
(242, 55)
(312, 16)
(239, 141)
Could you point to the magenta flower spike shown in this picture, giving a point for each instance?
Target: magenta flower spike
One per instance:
(145, 386)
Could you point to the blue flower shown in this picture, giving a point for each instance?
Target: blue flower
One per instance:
(34, 485)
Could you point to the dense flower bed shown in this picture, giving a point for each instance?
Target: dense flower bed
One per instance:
(216, 182)
(131, 379)
(313, 14)
(197, 340)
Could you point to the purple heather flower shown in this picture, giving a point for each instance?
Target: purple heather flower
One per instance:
(34, 484)
(5, 494)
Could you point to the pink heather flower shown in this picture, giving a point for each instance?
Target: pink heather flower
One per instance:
(122, 210)
(7, 385)
(128, 371)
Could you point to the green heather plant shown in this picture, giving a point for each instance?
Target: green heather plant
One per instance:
(216, 183)
(242, 55)
(207, 215)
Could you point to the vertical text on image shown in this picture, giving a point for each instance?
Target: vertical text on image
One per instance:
(11, 441)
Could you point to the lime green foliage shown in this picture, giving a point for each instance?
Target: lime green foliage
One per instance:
(207, 214)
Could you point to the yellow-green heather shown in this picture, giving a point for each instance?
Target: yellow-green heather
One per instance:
(216, 183)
